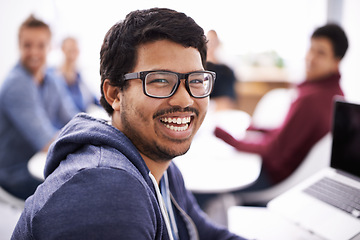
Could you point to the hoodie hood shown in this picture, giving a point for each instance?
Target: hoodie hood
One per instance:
(85, 130)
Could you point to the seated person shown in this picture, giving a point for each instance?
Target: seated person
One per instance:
(309, 117)
(34, 106)
(223, 95)
(116, 180)
(78, 90)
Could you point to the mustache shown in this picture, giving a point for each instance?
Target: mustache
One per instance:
(176, 110)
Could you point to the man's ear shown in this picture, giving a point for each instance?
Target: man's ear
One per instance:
(111, 94)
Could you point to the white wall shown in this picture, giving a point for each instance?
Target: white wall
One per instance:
(244, 26)
(350, 67)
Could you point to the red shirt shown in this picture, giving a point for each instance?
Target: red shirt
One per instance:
(308, 120)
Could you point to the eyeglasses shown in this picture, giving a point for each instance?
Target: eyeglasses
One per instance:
(163, 84)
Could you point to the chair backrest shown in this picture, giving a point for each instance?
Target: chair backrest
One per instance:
(11, 200)
(317, 159)
(272, 108)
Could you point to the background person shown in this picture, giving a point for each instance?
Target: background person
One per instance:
(69, 72)
(33, 107)
(223, 95)
(118, 181)
(309, 117)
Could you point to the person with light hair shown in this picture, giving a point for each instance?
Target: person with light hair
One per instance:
(34, 105)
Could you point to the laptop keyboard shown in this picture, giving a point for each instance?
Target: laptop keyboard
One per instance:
(339, 195)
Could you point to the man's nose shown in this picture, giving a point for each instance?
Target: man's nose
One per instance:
(181, 97)
(34, 51)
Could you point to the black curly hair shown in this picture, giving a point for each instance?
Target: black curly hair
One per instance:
(337, 37)
(118, 53)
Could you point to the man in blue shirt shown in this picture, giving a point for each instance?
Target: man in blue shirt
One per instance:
(33, 107)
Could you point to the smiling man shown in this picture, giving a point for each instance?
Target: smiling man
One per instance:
(117, 181)
(168, 114)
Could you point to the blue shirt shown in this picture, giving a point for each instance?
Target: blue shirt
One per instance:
(81, 94)
(30, 116)
(78, 91)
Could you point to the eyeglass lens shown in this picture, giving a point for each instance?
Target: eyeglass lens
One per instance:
(163, 84)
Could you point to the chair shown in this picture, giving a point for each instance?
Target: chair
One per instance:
(272, 108)
(11, 200)
(317, 158)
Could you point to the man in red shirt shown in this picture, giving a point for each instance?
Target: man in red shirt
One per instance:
(309, 117)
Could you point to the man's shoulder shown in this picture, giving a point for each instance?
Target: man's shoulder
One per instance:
(17, 76)
(103, 181)
(95, 189)
(315, 97)
(91, 158)
(17, 83)
(98, 199)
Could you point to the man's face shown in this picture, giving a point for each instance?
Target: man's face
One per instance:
(320, 59)
(147, 121)
(71, 50)
(34, 44)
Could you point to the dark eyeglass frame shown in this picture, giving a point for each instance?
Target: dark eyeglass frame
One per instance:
(142, 76)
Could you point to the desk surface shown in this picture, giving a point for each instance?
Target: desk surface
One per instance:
(36, 165)
(210, 165)
(219, 170)
(262, 224)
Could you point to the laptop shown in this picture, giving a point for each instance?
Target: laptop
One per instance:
(328, 203)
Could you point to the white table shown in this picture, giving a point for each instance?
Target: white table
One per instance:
(263, 224)
(211, 165)
(36, 165)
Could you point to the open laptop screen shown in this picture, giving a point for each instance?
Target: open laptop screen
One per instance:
(346, 137)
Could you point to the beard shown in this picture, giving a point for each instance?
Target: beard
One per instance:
(152, 148)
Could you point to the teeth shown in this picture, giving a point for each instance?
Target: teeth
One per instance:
(178, 121)
(178, 129)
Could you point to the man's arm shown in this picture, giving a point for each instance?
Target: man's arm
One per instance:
(22, 105)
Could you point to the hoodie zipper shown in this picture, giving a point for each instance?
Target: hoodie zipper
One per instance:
(194, 235)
